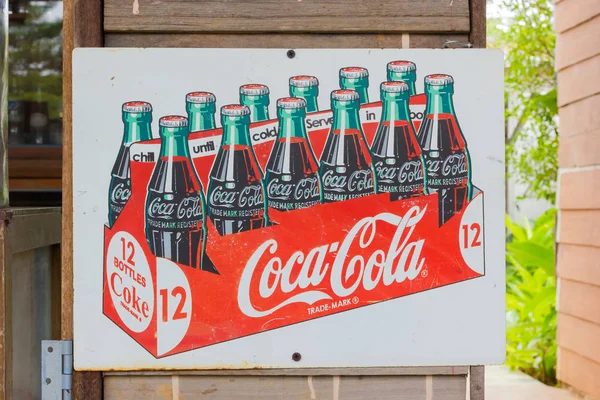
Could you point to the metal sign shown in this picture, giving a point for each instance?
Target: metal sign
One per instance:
(264, 208)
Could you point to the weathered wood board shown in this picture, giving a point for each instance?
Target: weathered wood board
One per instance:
(286, 16)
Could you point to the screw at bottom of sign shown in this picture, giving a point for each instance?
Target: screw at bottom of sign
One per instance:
(296, 356)
(48, 381)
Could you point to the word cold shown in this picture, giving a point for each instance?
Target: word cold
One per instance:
(346, 166)
(292, 177)
(137, 116)
(236, 195)
(175, 218)
(363, 262)
(396, 153)
(444, 149)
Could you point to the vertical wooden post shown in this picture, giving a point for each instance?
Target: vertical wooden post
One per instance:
(5, 310)
(82, 27)
(477, 382)
(3, 103)
(477, 36)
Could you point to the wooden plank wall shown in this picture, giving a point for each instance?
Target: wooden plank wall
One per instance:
(261, 24)
(578, 268)
(293, 23)
(443, 383)
(29, 296)
(34, 169)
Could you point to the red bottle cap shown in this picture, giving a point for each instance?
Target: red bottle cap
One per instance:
(438, 79)
(235, 110)
(394, 87)
(344, 94)
(354, 72)
(173, 121)
(402, 66)
(291, 103)
(200, 97)
(137, 107)
(304, 81)
(254, 89)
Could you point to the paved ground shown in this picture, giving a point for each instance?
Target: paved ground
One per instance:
(503, 384)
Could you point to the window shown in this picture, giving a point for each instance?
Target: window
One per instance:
(35, 101)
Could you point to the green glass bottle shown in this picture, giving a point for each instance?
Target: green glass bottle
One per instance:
(236, 194)
(256, 98)
(292, 178)
(137, 116)
(396, 153)
(307, 88)
(404, 71)
(175, 205)
(357, 79)
(346, 167)
(444, 147)
(200, 108)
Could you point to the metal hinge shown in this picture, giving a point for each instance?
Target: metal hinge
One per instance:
(57, 369)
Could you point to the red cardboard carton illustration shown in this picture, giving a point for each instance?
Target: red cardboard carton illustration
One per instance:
(215, 234)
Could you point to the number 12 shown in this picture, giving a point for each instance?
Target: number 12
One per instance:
(476, 229)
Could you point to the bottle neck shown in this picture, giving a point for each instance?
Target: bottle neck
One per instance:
(291, 124)
(258, 112)
(395, 108)
(309, 94)
(345, 116)
(360, 85)
(439, 102)
(407, 77)
(201, 117)
(137, 127)
(258, 105)
(235, 130)
(174, 142)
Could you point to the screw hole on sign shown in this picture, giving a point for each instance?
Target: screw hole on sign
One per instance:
(291, 53)
(48, 381)
(50, 349)
(296, 357)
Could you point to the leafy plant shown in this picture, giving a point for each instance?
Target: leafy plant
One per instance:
(531, 298)
(524, 30)
(35, 52)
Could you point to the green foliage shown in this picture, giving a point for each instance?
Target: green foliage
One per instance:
(531, 298)
(35, 53)
(526, 34)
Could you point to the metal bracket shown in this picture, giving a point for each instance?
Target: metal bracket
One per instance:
(57, 369)
(453, 44)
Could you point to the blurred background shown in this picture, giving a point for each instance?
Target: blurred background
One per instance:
(552, 335)
(35, 102)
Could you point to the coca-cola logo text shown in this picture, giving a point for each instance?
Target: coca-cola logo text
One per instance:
(385, 174)
(411, 171)
(250, 196)
(453, 165)
(120, 193)
(360, 180)
(304, 189)
(317, 277)
(188, 208)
